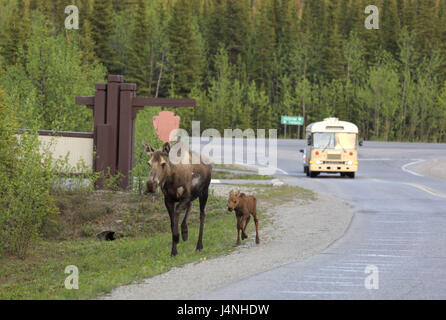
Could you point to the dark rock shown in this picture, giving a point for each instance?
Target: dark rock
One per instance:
(106, 235)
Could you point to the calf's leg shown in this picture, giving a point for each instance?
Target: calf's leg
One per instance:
(244, 234)
(256, 220)
(238, 230)
(257, 229)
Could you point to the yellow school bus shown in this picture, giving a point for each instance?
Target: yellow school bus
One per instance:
(332, 147)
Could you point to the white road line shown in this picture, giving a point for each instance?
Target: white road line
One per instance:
(270, 170)
(314, 292)
(283, 171)
(262, 170)
(404, 168)
(380, 255)
(387, 244)
(337, 277)
(386, 159)
(376, 159)
(336, 283)
(378, 250)
(327, 269)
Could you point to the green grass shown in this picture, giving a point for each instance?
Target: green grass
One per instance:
(106, 265)
(234, 167)
(274, 195)
(217, 174)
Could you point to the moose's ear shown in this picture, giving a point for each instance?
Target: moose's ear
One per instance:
(231, 193)
(238, 193)
(166, 147)
(148, 148)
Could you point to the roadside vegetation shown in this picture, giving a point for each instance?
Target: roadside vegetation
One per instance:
(141, 250)
(49, 221)
(222, 174)
(246, 62)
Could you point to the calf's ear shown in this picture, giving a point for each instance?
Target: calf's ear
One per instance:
(166, 147)
(148, 148)
(238, 193)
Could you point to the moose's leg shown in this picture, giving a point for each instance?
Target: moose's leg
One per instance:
(238, 230)
(244, 234)
(184, 231)
(171, 209)
(256, 220)
(254, 214)
(257, 227)
(180, 207)
(242, 223)
(203, 200)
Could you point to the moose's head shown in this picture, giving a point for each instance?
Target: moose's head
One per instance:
(233, 200)
(160, 166)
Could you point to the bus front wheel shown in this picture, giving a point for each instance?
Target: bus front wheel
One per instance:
(313, 174)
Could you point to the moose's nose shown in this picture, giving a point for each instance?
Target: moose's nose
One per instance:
(230, 209)
(151, 187)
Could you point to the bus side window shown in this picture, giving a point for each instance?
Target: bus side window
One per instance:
(309, 140)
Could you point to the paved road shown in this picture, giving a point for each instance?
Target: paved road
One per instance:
(399, 230)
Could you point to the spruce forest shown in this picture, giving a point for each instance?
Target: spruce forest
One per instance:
(247, 62)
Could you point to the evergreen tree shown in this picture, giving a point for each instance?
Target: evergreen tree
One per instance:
(332, 64)
(390, 26)
(140, 56)
(184, 56)
(102, 31)
(87, 43)
(441, 36)
(424, 27)
(407, 57)
(264, 61)
(381, 95)
(43, 90)
(8, 141)
(220, 92)
(236, 28)
(16, 32)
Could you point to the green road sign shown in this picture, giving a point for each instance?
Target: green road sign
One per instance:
(297, 121)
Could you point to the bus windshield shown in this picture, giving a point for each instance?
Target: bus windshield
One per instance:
(334, 140)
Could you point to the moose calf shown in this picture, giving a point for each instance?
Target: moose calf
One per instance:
(244, 206)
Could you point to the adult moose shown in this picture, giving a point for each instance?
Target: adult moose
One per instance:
(180, 183)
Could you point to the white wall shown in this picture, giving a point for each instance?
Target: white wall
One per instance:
(79, 148)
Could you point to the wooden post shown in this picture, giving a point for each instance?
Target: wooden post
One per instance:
(127, 92)
(115, 106)
(112, 118)
(100, 161)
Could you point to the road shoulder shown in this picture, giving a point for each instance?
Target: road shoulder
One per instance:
(435, 168)
(296, 230)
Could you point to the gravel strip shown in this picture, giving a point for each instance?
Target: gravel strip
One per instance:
(435, 168)
(296, 230)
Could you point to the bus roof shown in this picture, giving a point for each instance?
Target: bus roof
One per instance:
(332, 125)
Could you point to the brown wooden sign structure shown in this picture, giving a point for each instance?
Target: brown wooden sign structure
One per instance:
(115, 106)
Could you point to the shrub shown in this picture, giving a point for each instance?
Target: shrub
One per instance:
(26, 179)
